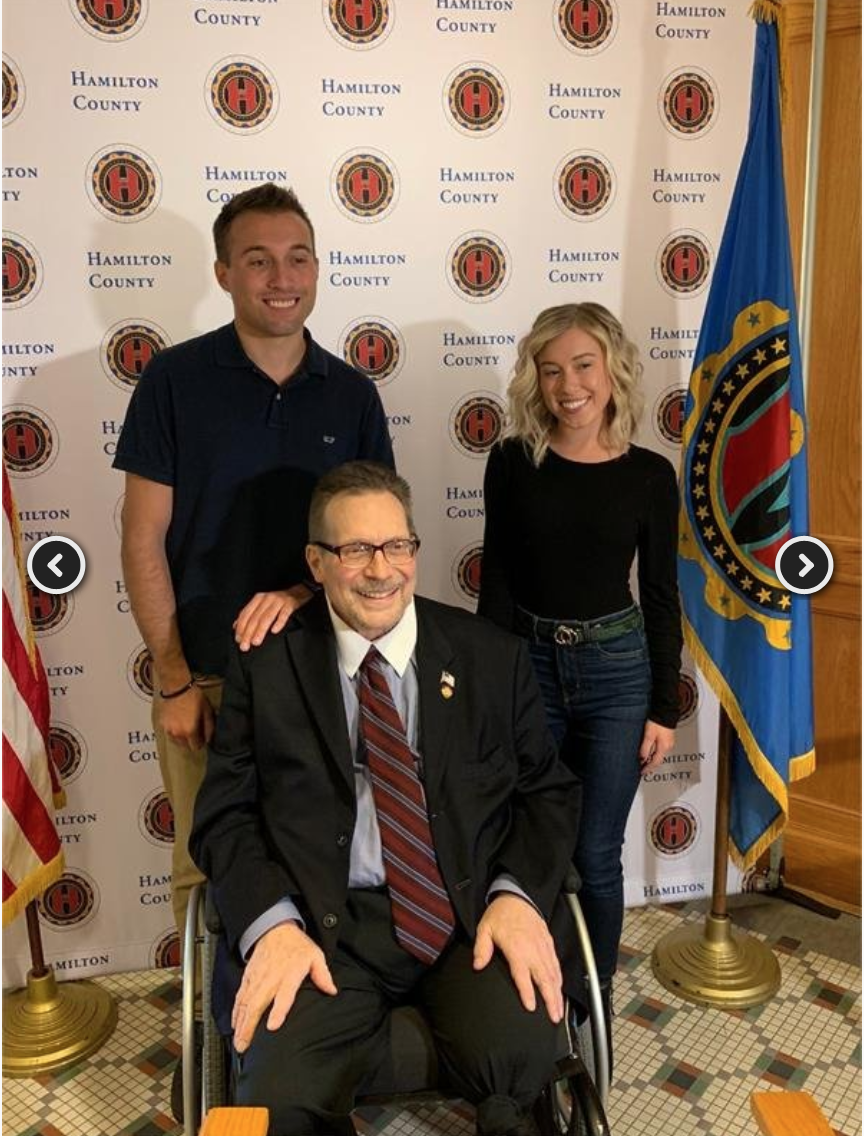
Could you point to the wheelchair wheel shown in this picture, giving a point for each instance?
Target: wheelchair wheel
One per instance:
(583, 1041)
(214, 1078)
(570, 1104)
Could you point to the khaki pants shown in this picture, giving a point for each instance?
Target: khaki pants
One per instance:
(182, 773)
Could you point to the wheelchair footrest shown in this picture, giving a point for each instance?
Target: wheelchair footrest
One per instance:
(236, 1122)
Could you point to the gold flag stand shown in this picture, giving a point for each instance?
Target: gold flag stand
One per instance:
(49, 1026)
(716, 965)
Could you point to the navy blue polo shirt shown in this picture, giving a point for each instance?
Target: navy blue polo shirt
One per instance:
(242, 455)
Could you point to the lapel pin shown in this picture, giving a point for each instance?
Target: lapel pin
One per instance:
(448, 684)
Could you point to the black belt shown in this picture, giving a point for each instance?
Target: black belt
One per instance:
(569, 632)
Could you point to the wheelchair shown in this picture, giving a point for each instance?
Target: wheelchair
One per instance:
(573, 1103)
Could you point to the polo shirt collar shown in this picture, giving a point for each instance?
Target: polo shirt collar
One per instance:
(230, 353)
(397, 646)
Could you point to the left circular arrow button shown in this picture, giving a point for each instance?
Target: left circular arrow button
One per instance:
(56, 564)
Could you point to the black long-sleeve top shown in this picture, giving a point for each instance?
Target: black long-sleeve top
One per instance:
(560, 541)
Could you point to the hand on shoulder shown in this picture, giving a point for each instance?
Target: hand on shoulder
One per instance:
(268, 611)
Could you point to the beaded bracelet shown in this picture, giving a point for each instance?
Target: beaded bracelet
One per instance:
(177, 693)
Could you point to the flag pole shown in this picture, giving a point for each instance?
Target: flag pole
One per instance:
(808, 260)
(34, 937)
(811, 185)
(746, 633)
(715, 964)
(48, 1026)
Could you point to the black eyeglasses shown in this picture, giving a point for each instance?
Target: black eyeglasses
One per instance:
(359, 554)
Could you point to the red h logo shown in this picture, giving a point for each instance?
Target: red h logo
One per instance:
(123, 183)
(675, 831)
(689, 103)
(21, 441)
(480, 424)
(364, 185)
(109, 9)
(13, 271)
(358, 14)
(584, 185)
(41, 605)
(585, 18)
(477, 101)
(478, 266)
(135, 354)
(242, 95)
(686, 264)
(372, 352)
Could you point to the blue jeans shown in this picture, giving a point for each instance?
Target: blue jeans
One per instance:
(596, 696)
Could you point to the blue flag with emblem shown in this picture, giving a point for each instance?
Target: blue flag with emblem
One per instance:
(744, 485)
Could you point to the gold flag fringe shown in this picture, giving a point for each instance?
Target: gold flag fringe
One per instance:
(32, 887)
(801, 765)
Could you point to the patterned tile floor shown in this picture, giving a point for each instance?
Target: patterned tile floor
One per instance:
(680, 1070)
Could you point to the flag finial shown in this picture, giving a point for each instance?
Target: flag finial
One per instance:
(766, 11)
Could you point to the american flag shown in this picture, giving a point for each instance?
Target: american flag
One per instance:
(32, 855)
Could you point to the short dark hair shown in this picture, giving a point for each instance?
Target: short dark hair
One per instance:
(268, 198)
(354, 478)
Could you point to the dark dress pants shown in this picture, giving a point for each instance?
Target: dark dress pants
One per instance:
(491, 1050)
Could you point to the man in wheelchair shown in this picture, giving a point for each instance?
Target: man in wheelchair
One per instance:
(384, 818)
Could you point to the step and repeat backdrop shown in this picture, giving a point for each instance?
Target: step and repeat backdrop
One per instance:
(466, 163)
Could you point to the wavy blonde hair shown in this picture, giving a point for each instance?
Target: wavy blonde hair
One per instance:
(528, 417)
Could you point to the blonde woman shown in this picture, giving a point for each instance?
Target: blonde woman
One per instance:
(569, 502)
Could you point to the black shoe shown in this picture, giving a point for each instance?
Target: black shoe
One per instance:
(527, 1126)
(502, 1116)
(177, 1079)
(520, 1125)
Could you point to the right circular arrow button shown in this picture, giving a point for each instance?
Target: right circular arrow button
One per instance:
(804, 565)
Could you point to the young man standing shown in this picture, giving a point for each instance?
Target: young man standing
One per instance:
(224, 440)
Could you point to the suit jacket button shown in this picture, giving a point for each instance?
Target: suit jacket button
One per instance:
(330, 920)
(342, 839)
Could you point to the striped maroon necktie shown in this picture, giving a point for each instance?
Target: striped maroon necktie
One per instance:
(422, 916)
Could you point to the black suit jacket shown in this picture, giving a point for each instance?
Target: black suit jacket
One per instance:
(275, 814)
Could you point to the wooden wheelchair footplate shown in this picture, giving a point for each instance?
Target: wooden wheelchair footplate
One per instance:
(789, 1114)
(236, 1122)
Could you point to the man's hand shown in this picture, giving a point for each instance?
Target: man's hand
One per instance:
(518, 931)
(188, 719)
(657, 742)
(281, 959)
(267, 611)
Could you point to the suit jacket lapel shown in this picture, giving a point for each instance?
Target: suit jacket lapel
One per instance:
(434, 656)
(312, 646)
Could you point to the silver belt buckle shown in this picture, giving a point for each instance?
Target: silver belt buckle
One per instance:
(566, 636)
